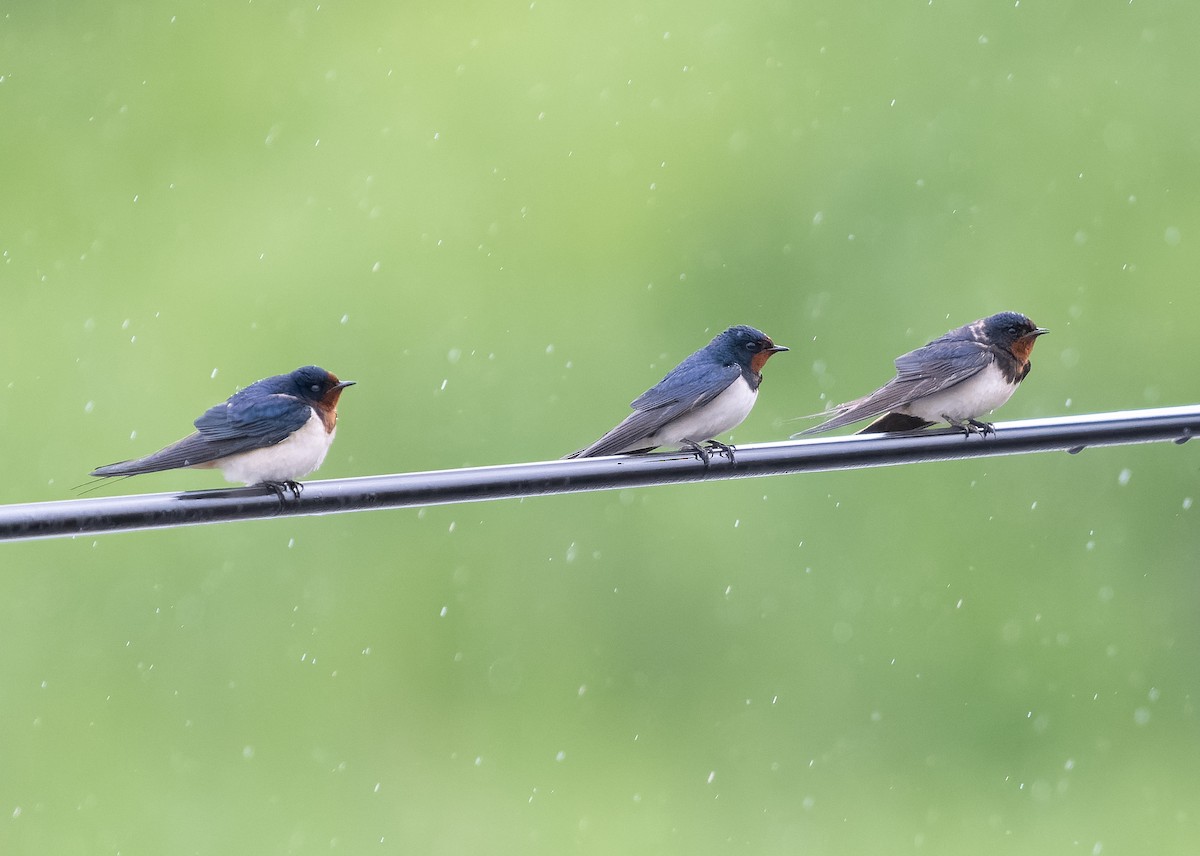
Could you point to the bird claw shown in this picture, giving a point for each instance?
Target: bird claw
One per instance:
(282, 488)
(705, 451)
(722, 448)
(699, 451)
(971, 426)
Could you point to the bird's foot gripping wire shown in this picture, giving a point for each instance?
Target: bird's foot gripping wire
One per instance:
(699, 451)
(971, 426)
(281, 489)
(704, 451)
(721, 448)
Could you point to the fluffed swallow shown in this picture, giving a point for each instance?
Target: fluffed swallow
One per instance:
(709, 393)
(956, 378)
(271, 433)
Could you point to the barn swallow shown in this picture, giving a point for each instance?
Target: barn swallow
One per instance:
(271, 433)
(956, 378)
(709, 393)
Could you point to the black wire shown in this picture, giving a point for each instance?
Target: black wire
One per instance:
(150, 511)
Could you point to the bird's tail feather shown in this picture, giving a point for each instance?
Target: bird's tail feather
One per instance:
(188, 452)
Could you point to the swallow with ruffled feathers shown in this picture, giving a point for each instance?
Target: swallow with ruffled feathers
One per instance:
(706, 395)
(956, 379)
(271, 433)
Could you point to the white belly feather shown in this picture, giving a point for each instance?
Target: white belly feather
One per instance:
(723, 413)
(287, 460)
(974, 397)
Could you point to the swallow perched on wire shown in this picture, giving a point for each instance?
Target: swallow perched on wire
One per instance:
(709, 393)
(956, 378)
(271, 433)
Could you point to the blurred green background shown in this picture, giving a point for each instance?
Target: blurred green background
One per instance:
(505, 221)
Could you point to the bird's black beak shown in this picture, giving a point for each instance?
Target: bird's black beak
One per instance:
(776, 349)
(343, 384)
(1037, 331)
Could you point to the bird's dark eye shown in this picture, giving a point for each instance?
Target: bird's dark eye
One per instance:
(316, 387)
(1014, 329)
(752, 346)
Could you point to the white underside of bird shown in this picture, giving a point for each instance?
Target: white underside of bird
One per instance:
(290, 459)
(724, 413)
(976, 396)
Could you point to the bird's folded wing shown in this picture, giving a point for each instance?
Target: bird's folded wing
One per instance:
(687, 387)
(188, 452)
(925, 371)
(223, 430)
(259, 422)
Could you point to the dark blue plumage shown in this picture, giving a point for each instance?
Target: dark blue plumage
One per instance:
(707, 394)
(272, 432)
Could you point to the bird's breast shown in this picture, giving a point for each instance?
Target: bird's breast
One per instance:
(974, 397)
(290, 459)
(723, 413)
